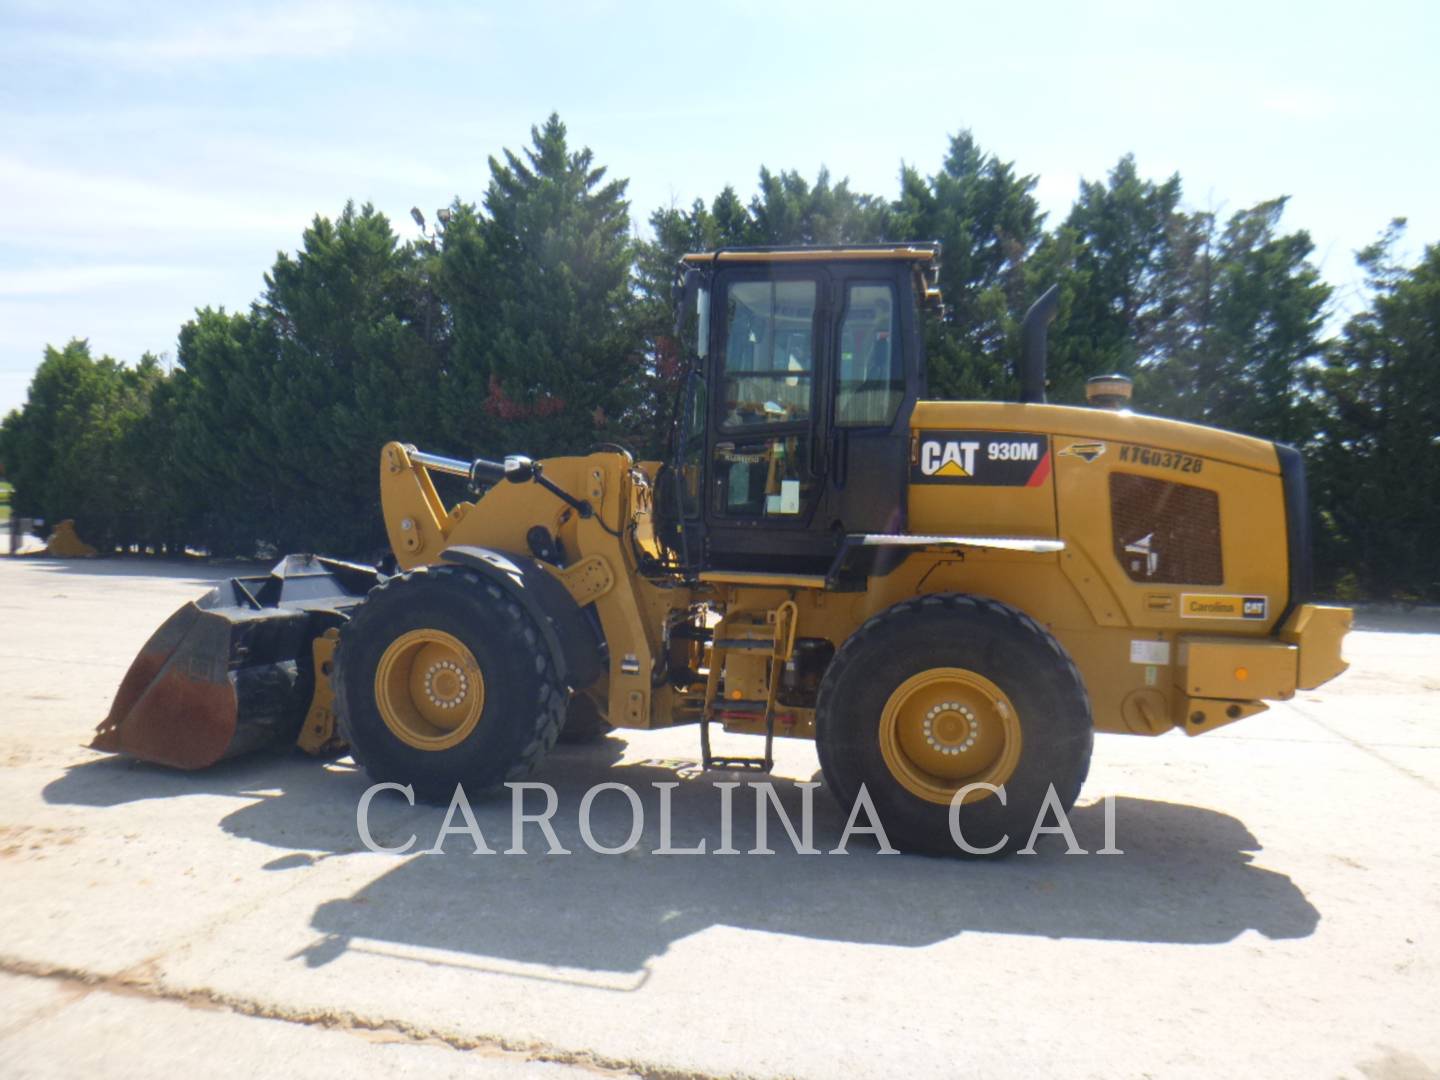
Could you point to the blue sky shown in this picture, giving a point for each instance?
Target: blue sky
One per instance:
(154, 157)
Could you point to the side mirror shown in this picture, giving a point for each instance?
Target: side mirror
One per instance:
(686, 288)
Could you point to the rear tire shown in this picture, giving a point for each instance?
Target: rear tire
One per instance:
(442, 679)
(942, 691)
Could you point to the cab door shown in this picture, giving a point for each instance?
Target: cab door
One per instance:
(876, 381)
(768, 418)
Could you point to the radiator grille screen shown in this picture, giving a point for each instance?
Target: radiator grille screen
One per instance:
(1166, 532)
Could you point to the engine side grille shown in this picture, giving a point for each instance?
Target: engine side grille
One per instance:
(1166, 532)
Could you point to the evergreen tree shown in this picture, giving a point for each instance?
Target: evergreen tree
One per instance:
(280, 412)
(988, 222)
(789, 210)
(466, 294)
(1241, 323)
(732, 226)
(533, 322)
(544, 303)
(1377, 459)
(352, 370)
(225, 455)
(73, 451)
(35, 437)
(1117, 258)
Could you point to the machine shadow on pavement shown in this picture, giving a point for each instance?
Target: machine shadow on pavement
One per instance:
(1186, 874)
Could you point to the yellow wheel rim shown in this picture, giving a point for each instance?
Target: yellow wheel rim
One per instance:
(948, 727)
(429, 690)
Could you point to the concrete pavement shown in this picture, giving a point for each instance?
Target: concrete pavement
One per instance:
(1275, 911)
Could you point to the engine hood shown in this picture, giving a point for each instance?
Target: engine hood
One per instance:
(1102, 425)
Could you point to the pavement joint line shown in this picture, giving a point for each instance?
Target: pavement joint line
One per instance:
(343, 1020)
(17, 1022)
(184, 943)
(1431, 785)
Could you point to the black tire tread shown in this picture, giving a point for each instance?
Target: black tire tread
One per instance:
(548, 715)
(583, 723)
(857, 648)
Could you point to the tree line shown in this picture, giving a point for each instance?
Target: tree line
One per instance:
(538, 321)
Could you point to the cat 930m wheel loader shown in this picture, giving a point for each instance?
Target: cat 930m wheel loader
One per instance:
(948, 597)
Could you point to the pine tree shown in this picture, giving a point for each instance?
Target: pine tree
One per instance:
(225, 455)
(545, 328)
(281, 411)
(1377, 472)
(353, 369)
(988, 222)
(74, 450)
(789, 210)
(1115, 258)
(1241, 324)
(533, 322)
(35, 437)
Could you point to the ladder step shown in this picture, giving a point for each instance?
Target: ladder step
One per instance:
(740, 706)
(736, 764)
(742, 635)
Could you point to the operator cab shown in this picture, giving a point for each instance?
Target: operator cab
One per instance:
(802, 369)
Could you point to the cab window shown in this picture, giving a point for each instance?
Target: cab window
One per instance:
(870, 380)
(769, 352)
(766, 477)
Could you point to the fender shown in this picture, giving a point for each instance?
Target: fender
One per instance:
(574, 640)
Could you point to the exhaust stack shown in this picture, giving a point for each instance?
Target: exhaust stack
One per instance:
(1033, 334)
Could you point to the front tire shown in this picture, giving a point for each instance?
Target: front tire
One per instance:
(583, 723)
(442, 679)
(944, 691)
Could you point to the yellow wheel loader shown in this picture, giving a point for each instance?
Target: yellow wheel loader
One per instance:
(948, 597)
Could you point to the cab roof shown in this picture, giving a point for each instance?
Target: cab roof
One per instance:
(919, 253)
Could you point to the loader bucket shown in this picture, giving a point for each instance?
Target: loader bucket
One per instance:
(232, 672)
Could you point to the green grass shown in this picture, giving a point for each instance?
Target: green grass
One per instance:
(5, 490)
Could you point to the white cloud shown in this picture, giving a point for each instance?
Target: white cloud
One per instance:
(351, 168)
(68, 280)
(307, 30)
(40, 199)
(243, 32)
